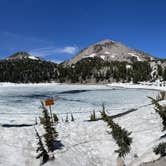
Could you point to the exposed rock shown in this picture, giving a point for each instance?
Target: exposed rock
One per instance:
(109, 50)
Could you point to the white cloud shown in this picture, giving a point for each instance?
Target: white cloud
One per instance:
(46, 51)
(56, 61)
(68, 50)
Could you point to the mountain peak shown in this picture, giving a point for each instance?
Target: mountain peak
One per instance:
(109, 50)
(105, 41)
(21, 56)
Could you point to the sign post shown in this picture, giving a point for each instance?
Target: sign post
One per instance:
(49, 102)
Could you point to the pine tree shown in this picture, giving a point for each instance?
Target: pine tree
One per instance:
(93, 116)
(164, 74)
(43, 153)
(72, 118)
(55, 117)
(103, 113)
(121, 135)
(160, 149)
(50, 132)
(159, 70)
(161, 110)
(67, 119)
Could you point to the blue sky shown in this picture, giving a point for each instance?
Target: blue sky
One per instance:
(58, 29)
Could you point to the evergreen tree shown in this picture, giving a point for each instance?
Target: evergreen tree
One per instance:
(67, 118)
(161, 110)
(159, 70)
(41, 150)
(160, 149)
(55, 117)
(93, 116)
(72, 118)
(121, 135)
(50, 132)
(164, 74)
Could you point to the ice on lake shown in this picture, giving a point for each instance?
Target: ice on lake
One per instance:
(21, 104)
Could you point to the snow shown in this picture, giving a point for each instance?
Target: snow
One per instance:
(128, 66)
(33, 58)
(102, 57)
(154, 72)
(138, 86)
(113, 55)
(91, 55)
(134, 55)
(106, 52)
(85, 143)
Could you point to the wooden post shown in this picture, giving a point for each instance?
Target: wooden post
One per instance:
(50, 102)
(51, 114)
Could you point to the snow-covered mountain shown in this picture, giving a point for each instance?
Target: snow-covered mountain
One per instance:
(22, 56)
(109, 50)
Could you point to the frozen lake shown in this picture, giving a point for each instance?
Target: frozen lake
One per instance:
(20, 103)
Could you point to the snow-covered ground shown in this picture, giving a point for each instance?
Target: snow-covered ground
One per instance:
(85, 143)
(137, 86)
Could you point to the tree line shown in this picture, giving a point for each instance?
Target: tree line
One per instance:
(87, 70)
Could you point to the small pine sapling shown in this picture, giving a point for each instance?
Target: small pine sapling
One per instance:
(93, 116)
(50, 132)
(41, 150)
(161, 110)
(72, 118)
(103, 113)
(55, 117)
(120, 135)
(67, 118)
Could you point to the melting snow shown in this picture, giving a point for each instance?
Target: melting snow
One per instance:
(134, 55)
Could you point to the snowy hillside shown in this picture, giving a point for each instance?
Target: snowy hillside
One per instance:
(84, 143)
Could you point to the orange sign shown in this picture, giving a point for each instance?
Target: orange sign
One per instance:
(49, 102)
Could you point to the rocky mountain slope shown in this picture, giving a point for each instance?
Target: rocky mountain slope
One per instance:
(109, 50)
(22, 56)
